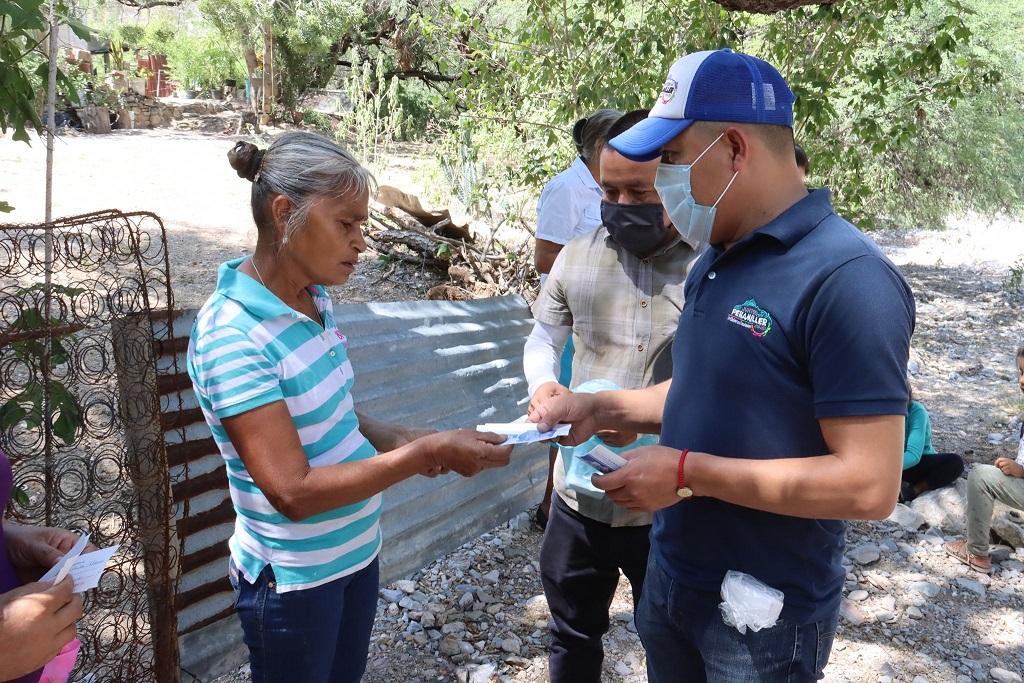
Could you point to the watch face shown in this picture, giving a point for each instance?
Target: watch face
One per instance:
(684, 492)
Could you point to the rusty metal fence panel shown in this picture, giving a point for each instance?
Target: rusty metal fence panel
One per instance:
(437, 364)
(78, 418)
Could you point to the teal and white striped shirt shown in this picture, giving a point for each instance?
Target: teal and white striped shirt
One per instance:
(249, 349)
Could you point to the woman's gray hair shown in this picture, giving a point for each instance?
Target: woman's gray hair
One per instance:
(302, 167)
(595, 131)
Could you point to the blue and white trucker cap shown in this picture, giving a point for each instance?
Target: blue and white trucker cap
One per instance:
(713, 85)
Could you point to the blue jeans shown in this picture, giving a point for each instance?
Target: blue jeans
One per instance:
(687, 640)
(316, 635)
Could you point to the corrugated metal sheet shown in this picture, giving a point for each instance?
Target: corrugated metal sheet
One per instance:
(439, 364)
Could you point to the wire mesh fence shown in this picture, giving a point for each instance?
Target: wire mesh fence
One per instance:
(79, 418)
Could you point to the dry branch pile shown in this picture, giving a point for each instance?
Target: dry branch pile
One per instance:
(476, 268)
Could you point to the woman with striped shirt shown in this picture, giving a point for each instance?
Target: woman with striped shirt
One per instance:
(305, 473)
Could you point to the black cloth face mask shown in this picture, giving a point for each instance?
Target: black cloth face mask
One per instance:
(637, 228)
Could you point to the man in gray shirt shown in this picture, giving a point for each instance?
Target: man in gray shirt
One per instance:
(619, 292)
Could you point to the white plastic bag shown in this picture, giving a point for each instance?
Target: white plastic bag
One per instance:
(749, 603)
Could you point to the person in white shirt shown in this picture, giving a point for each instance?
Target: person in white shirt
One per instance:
(570, 204)
(1003, 481)
(569, 207)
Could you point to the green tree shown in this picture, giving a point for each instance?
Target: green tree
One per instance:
(863, 74)
(23, 67)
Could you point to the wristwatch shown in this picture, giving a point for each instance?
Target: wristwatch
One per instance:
(682, 490)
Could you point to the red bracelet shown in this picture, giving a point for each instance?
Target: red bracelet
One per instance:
(682, 462)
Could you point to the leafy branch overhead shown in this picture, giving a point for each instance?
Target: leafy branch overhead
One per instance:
(23, 68)
(769, 6)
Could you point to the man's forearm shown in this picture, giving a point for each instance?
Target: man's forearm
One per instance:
(633, 410)
(818, 488)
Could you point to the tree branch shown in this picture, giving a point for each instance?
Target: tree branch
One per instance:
(769, 6)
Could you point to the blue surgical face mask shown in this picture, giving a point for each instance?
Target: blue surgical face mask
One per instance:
(693, 221)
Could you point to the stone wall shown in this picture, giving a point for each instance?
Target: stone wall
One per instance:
(149, 112)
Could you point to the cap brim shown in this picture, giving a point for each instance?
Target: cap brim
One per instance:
(643, 142)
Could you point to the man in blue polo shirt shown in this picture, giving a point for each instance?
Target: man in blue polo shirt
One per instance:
(786, 406)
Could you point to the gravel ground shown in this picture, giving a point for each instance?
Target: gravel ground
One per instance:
(478, 614)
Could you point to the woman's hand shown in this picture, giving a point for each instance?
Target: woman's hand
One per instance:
(404, 436)
(36, 621)
(466, 451)
(34, 549)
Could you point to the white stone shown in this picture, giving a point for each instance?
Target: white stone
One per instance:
(944, 508)
(921, 679)
(520, 522)
(1008, 524)
(482, 673)
(511, 645)
(858, 596)
(453, 628)
(865, 553)
(410, 604)
(925, 588)
(914, 613)
(852, 613)
(971, 585)
(1004, 676)
(907, 517)
(406, 586)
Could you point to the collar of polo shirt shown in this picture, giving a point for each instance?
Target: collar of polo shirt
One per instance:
(797, 221)
(253, 296)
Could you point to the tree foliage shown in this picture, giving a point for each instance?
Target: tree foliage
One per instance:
(23, 67)
(865, 74)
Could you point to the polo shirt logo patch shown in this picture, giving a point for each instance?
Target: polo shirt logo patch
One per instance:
(752, 317)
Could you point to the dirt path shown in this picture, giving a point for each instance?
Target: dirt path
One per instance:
(185, 179)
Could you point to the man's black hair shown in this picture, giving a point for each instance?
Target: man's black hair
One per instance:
(801, 159)
(627, 121)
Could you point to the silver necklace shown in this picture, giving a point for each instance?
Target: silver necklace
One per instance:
(319, 318)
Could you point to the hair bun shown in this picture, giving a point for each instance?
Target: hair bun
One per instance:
(246, 158)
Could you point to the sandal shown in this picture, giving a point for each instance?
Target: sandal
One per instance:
(958, 550)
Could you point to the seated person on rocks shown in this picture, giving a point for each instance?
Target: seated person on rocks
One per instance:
(923, 468)
(986, 484)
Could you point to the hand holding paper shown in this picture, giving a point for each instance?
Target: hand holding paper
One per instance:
(85, 570)
(520, 432)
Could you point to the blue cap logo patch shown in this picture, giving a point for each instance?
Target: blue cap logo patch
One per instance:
(669, 90)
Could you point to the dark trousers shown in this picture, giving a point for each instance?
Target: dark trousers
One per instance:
(579, 567)
(687, 640)
(316, 635)
(935, 470)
